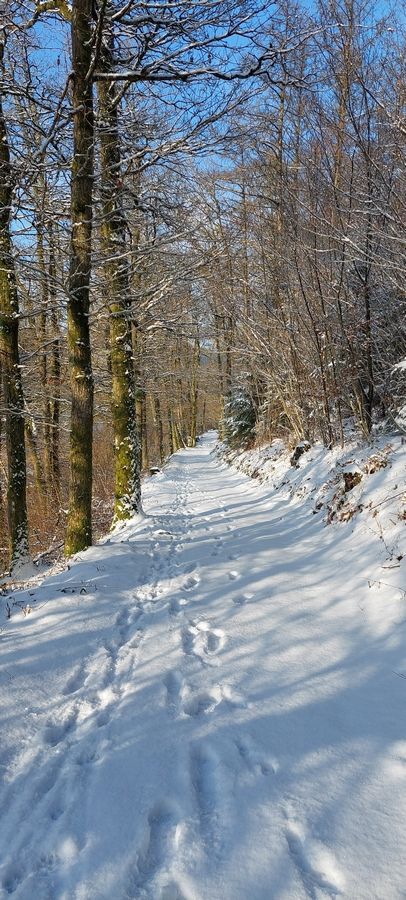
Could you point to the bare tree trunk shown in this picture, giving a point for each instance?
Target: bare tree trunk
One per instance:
(194, 393)
(140, 396)
(40, 479)
(170, 431)
(43, 275)
(144, 445)
(54, 372)
(159, 425)
(9, 352)
(79, 526)
(126, 448)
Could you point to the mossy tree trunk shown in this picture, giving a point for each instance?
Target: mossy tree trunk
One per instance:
(159, 426)
(194, 392)
(79, 525)
(117, 278)
(140, 395)
(9, 352)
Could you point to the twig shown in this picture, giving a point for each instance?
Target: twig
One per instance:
(393, 497)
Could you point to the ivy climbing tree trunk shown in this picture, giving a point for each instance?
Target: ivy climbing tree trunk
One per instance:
(79, 525)
(9, 353)
(117, 278)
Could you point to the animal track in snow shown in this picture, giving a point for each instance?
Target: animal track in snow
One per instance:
(255, 759)
(315, 862)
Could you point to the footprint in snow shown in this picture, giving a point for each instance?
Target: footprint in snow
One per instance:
(173, 682)
(201, 640)
(103, 718)
(12, 879)
(55, 732)
(172, 891)
(177, 605)
(46, 786)
(137, 610)
(200, 703)
(136, 639)
(76, 680)
(241, 599)
(160, 844)
(122, 624)
(315, 862)
(191, 582)
(206, 783)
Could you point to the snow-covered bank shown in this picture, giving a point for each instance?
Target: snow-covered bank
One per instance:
(210, 703)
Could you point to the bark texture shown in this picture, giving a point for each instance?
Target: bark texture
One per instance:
(117, 279)
(79, 525)
(9, 353)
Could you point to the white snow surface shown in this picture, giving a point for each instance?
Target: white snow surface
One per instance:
(210, 703)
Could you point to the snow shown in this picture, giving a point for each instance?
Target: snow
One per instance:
(399, 365)
(210, 703)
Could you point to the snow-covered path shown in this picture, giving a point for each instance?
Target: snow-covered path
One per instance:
(204, 707)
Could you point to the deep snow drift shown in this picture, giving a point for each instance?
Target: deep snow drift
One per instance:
(210, 704)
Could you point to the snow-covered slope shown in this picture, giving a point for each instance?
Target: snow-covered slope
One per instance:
(210, 704)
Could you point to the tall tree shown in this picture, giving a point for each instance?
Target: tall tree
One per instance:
(79, 525)
(9, 351)
(117, 279)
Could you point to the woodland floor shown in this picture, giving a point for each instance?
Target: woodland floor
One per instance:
(208, 705)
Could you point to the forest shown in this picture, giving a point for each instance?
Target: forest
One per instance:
(202, 208)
